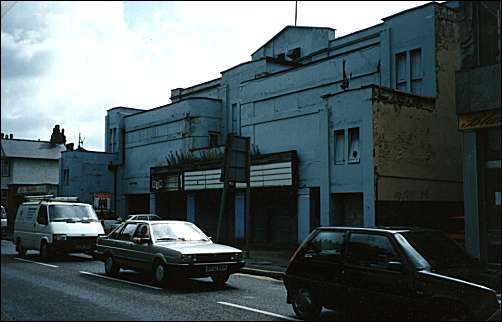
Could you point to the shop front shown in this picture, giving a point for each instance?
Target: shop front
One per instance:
(193, 193)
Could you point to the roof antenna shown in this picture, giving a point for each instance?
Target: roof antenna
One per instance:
(80, 141)
(296, 10)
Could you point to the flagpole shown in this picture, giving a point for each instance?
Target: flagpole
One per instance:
(296, 10)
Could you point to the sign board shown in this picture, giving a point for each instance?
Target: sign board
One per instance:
(102, 201)
(479, 120)
(236, 161)
(169, 182)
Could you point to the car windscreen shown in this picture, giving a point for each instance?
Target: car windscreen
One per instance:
(71, 212)
(177, 231)
(437, 249)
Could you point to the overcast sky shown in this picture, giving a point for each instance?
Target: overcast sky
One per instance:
(68, 62)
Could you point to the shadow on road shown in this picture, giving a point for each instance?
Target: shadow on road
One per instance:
(176, 286)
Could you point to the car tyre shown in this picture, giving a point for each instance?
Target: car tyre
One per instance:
(159, 273)
(453, 316)
(220, 279)
(305, 305)
(19, 248)
(111, 267)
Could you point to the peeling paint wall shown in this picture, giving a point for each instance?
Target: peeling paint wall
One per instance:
(416, 156)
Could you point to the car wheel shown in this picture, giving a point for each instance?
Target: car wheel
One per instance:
(159, 273)
(111, 268)
(45, 253)
(220, 279)
(19, 248)
(305, 306)
(452, 316)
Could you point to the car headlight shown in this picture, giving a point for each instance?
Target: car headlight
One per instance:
(498, 299)
(188, 258)
(57, 237)
(236, 257)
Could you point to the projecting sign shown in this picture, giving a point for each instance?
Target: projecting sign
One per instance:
(236, 162)
(479, 120)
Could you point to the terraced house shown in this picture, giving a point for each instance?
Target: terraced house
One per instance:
(352, 130)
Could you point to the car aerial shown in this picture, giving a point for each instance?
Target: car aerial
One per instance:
(4, 222)
(167, 249)
(56, 225)
(406, 273)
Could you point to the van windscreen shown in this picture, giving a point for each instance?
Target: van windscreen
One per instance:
(70, 212)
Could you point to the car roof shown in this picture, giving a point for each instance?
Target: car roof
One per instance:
(384, 229)
(36, 203)
(144, 215)
(159, 221)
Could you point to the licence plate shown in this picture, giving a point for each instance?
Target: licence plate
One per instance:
(216, 268)
(83, 247)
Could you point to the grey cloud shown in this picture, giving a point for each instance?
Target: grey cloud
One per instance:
(14, 66)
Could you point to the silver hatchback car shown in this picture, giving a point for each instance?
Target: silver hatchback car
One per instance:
(167, 249)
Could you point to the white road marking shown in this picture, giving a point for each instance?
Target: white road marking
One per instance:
(258, 277)
(258, 311)
(119, 280)
(25, 260)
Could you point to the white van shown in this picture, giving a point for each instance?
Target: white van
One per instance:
(53, 226)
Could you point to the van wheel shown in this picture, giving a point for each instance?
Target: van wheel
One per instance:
(159, 273)
(19, 248)
(45, 252)
(305, 306)
(111, 268)
(220, 279)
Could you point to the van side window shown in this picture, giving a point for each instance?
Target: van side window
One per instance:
(375, 251)
(326, 246)
(42, 217)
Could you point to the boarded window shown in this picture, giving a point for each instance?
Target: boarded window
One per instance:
(416, 71)
(339, 147)
(213, 139)
(354, 153)
(401, 78)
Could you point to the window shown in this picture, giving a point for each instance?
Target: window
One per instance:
(5, 168)
(128, 232)
(401, 78)
(42, 217)
(416, 71)
(213, 139)
(327, 245)
(409, 71)
(142, 232)
(354, 153)
(339, 147)
(66, 176)
(235, 119)
(369, 250)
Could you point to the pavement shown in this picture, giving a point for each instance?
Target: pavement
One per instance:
(270, 263)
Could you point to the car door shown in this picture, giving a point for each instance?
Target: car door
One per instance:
(142, 251)
(376, 277)
(320, 265)
(124, 244)
(41, 226)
